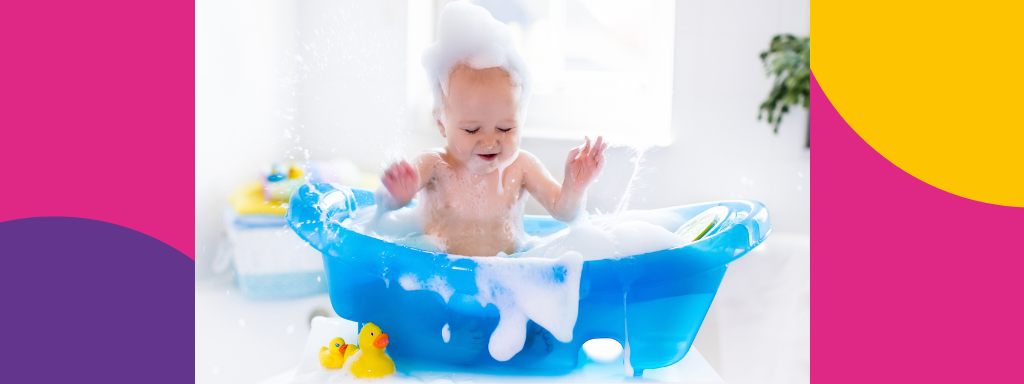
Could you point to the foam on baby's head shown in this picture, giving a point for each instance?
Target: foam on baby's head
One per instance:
(468, 35)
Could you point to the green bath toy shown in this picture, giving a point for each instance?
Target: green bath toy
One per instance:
(698, 226)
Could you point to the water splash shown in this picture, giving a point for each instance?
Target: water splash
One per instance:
(638, 158)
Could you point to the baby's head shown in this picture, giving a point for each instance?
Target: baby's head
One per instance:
(481, 87)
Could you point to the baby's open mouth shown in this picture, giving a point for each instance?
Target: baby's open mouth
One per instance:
(488, 157)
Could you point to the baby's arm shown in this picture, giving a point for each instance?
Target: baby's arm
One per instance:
(402, 180)
(582, 166)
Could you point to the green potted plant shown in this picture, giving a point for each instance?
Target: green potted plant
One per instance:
(788, 58)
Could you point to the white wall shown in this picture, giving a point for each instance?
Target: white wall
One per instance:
(352, 98)
(241, 97)
(720, 150)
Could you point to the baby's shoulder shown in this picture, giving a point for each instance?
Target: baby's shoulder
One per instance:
(528, 161)
(433, 160)
(433, 157)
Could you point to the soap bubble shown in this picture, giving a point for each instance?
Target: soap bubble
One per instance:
(468, 34)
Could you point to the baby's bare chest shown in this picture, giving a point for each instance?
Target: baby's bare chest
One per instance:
(475, 198)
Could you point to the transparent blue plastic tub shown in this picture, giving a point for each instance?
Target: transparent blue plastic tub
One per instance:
(663, 296)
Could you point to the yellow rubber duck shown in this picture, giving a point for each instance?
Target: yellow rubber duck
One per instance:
(352, 349)
(334, 355)
(372, 362)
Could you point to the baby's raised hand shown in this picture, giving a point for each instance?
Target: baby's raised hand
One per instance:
(584, 164)
(402, 181)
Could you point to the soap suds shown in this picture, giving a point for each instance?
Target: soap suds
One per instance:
(446, 334)
(501, 170)
(409, 282)
(468, 34)
(609, 236)
(543, 290)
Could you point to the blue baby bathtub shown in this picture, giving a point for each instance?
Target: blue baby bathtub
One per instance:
(658, 299)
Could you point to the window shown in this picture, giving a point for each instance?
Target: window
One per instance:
(601, 67)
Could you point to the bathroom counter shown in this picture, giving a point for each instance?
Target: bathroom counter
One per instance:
(245, 341)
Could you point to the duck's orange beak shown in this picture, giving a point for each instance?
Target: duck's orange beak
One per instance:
(342, 348)
(381, 341)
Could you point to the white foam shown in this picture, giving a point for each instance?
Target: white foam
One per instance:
(409, 282)
(543, 290)
(446, 334)
(609, 236)
(501, 170)
(468, 34)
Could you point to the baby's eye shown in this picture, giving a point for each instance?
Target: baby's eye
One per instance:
(505, 129)
(471, 131)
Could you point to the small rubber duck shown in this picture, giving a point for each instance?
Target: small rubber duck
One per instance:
(351, 350)
(372, 362)
(333, 356)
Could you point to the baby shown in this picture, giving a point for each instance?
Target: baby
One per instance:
(474, 188)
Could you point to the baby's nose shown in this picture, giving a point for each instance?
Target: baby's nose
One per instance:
(490, 142)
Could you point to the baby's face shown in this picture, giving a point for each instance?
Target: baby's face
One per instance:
(481, 119)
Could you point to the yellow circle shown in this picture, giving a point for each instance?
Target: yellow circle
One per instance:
(935, 87)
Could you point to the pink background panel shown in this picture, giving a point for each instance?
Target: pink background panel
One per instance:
(97, 115)
(910, 282)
